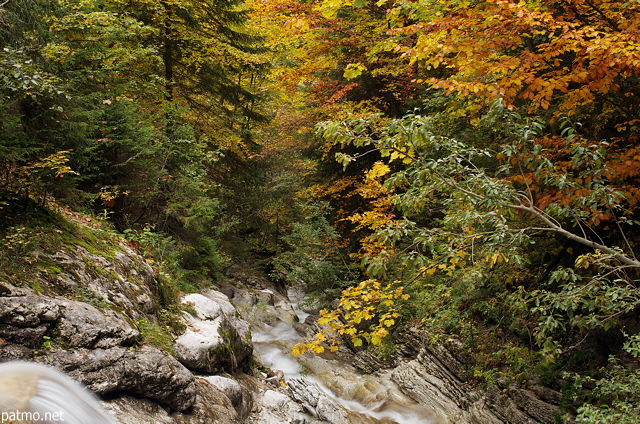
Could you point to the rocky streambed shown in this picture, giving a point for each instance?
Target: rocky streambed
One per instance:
(209, 374)
(328, 386)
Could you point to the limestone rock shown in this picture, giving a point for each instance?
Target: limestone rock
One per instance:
(9, 290)
(519, 406)
(240, 400)
(316, 401)
(146, 372)
(211, 406)
(211, 342)
(28, 311)
(125, 280)
(130, 410)
(12, 351)
(26, 319)
(82, 325)
(427, 380)
(229, 310)
(436, 378)
(257, 303)
(272, 407)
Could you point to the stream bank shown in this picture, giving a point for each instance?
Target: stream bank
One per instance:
(328, 385)
(100, 336)
(429, 384)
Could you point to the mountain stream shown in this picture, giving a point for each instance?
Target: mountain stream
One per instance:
(369, 399)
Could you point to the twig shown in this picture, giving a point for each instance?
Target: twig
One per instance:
(582, 240)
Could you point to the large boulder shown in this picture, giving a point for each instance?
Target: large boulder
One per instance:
(211, 406)
(240, 397)
(146, 372)
(215, 340)
(82, 325)
(26, 320)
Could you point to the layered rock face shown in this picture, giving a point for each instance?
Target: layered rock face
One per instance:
(437, 377)
(101, 347)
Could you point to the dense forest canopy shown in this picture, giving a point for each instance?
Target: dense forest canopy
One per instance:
(466, 167)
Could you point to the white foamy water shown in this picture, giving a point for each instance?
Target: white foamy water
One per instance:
(32, 392)
(374, 396)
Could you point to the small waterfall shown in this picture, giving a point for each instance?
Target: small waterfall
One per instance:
(374, 397)
(32, 392)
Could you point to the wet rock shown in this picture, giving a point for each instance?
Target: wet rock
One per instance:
(146, 372)
(211, 343)
(275, 378)
(273, 407)
(316, 401)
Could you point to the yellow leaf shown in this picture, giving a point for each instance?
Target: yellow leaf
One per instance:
(378, 169)
(320, 336)
(325, 320)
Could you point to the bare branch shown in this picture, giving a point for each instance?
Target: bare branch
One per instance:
(571, 236)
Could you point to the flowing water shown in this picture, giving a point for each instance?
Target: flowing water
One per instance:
(373, 398)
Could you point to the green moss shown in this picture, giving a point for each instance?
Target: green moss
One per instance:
(35, 286)
(78, 235)
(54, 270)
(86, 295)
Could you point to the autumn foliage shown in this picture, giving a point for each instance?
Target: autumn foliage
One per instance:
(563, 55)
